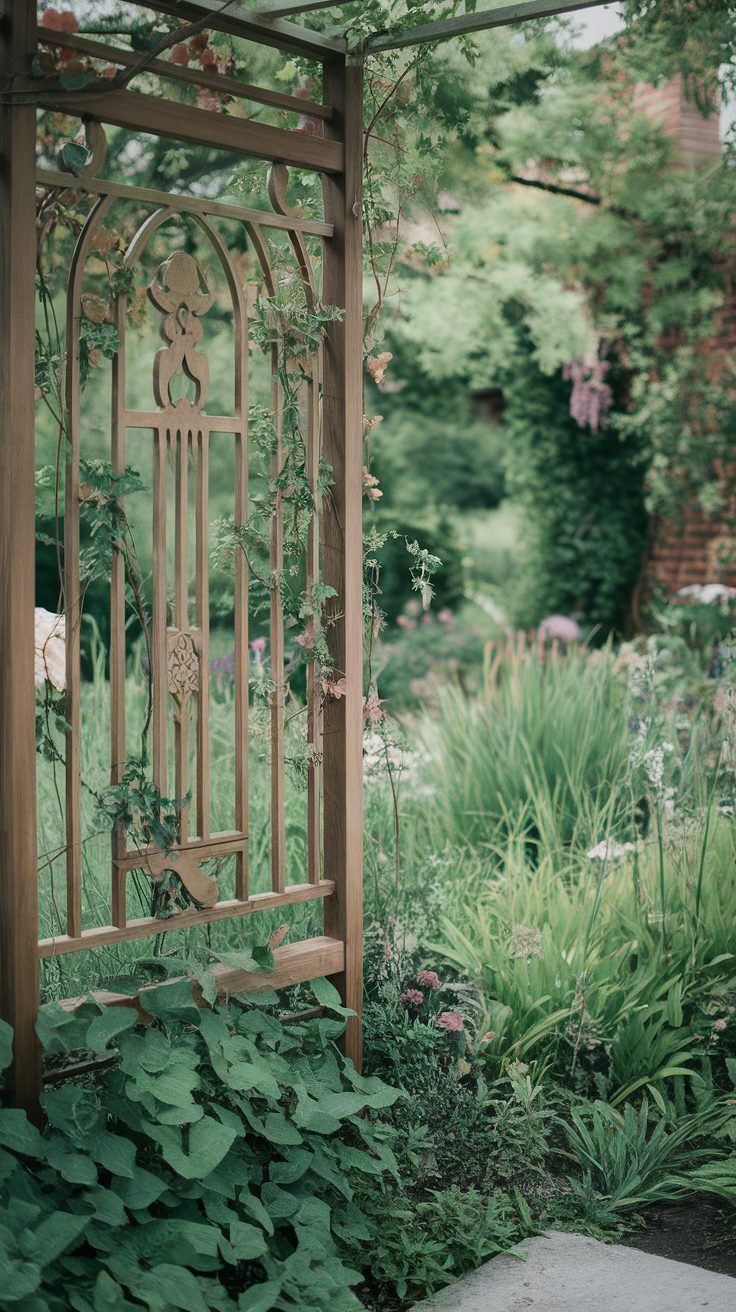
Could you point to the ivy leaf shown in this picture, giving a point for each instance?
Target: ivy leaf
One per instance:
(209, 1141)
(260, 1298)
(74, 156)
(247, 1241)
(55, 1234)
(328, 996)
(6, 1046)
(17, 1133)
(111, 1022)
(172, 1286)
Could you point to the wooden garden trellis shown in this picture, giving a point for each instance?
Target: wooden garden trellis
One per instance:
(180, 649)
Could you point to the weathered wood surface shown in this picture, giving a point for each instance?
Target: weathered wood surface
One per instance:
(19, 977)
(342, 539)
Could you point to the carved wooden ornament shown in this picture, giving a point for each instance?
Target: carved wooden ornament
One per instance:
(180, 292)
(183, 665)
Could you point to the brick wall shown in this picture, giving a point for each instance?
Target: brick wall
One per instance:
(698, 548)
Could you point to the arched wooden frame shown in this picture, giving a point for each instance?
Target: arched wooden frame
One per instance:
(185, 428)
(333, 405)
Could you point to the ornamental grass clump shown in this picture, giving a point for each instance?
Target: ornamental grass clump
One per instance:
(540, 752)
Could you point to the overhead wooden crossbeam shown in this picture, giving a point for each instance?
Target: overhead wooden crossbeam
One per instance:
(282, 9)
(192, 76)
(465, 24)
(234, 20)
(166, 118)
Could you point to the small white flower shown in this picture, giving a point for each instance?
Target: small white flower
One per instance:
(50, 649)
(609, 850)
(707, 593)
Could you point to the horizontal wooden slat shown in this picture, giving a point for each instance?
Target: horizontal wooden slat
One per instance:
(167, 118)
(185, 205)
(479, 21)
(196, 77)
(103, 935)
(233, 20)
(217, 845)
(296, 963)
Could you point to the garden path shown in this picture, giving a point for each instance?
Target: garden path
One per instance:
(573, 1273)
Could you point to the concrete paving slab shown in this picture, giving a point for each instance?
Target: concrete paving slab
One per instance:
(572, 1273)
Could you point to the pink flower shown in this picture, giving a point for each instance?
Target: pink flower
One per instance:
(412, 997)
(561, 627)
(372, 708)
(334, 688)
(405, 623)
(451, 1021)
(258, 644)
(720, 1025)
(445, 616)
(307, 638)
(429, 979)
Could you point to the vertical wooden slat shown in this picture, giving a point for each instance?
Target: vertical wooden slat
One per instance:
(241, 599)
(19, 976)
(342, 537)
(278, 817)
(203, 624)
(161, 439)
(181, 619)
(72, 585)
(314, 699)
(117, 624)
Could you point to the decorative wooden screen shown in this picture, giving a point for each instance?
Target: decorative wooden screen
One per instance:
(179, 429)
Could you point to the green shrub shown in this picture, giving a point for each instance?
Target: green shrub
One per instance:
(212, 1168)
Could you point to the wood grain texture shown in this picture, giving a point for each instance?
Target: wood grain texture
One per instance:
(117, 618)
(283, 36)
(296, 963)
(19, 980)
(478, 21)
(167, 118)
(195, 77)
(342, 539)
(184, 204)
(146, 926)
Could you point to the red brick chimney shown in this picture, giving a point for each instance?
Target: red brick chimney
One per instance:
(698, 548)
(698, 139)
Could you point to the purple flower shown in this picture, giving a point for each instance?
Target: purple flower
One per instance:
(429, 979)
(591, 397)
(561, 627)
(412, 997)
(451, 1021)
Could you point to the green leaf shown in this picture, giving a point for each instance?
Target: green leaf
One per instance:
(209, 1141)
(175, 1286)
(75, 157)
(111, 1022)
(114, 1152)
(248, 1242)
(17, 1133)
(55, 1234)
(260, 1298)
(6, 1046)
(328, 996)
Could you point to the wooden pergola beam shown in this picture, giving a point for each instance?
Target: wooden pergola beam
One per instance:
(279, 9)
(195, 77)
(466, 24)
(233, 20)
(167, 118)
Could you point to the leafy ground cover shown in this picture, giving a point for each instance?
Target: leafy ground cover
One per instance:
(550, 1011)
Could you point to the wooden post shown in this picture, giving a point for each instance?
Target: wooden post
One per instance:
(19, 973)
(342, 536)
